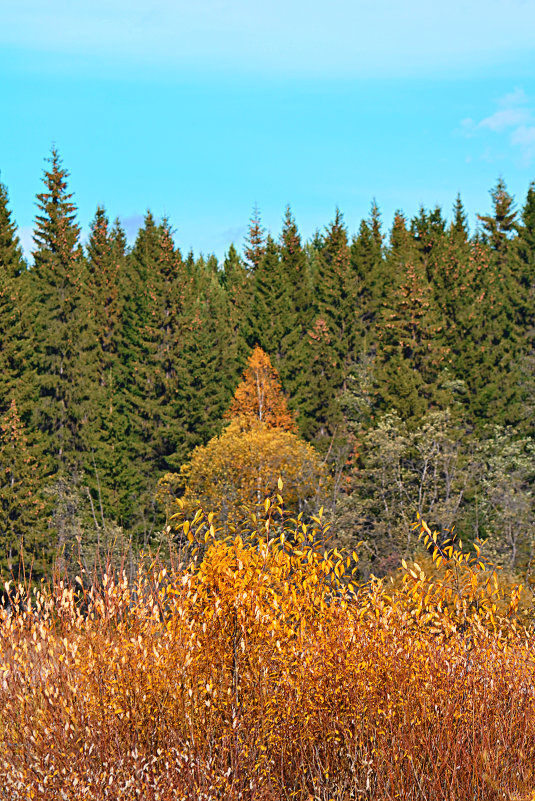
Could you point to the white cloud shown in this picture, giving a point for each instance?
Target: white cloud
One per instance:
(514, 118)
(506, 118)
(515, 98)
(524, 137)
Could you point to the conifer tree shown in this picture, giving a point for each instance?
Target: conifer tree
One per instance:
(294, 365)
(502, 308)
(411, 357)
(150, 290)
(525, 254)
(255, 241)
(26, 545)
(239, 288)
(259, 395)
(104, 466)
(60, 324)
(459, 225)
(368, 265)
(272, 304)
(15, 345)
(208, 349)
(332, 337)
(499, 227)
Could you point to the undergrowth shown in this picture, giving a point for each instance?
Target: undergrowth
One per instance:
(258, 668)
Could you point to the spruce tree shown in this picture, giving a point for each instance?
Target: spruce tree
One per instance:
(239, 287)
(499, 227)
(272, 302)
(26, 545)
(255, 241)
(333, 332)
(60, 323)
(15, 325)
(294, 365)
(104, 465)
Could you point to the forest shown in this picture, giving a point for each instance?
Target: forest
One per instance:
(267, 525)
(405, 359)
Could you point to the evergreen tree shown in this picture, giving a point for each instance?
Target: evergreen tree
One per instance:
(104, 462)
(333, 334)
(459, 225)
(26, 547)
(411, 356)
(255, 241)
(208, 349)
(239, 287)
(272, 305)
(149, 300)
(499, 227)
(60, 323)
(294, 364)
(368, 265)
(15, 344)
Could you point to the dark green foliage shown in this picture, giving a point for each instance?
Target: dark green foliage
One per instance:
(255, 241)
(105, 458)
(116, 364)
(501, 225)
(15, 345)
(26, 544)
(239, 287)
(60, 327)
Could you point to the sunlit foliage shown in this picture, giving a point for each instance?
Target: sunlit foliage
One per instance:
(242, 465)
(259, 396)
(260, 670)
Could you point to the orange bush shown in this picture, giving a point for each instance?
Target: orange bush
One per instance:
(261, 671)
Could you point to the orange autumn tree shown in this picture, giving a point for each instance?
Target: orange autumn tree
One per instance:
(259, 396)
(238, 469)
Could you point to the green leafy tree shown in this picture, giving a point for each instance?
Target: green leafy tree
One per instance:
(507, 508)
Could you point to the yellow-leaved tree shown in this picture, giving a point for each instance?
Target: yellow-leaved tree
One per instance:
(259, 396)
(242, 465)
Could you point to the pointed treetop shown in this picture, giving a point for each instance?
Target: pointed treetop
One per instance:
(399, 235)
(11, 258)
(260, 395)
(57, 232)
(290, 238)
(118, 237)
(255, 241)
(528, 211)
(375, 224)
(500, 225)
(459, 224)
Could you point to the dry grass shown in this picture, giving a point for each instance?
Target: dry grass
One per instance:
(258, 672)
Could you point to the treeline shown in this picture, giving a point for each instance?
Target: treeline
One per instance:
(407, 359)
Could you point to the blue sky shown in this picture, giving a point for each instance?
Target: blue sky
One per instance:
(199, 111)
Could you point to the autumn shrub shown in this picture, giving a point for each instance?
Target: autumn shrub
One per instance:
(258, 669)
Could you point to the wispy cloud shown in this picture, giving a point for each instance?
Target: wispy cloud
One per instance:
(514, 118)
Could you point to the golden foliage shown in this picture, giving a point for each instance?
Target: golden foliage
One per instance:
(262, 672)
(260, 397)
(242, 466)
